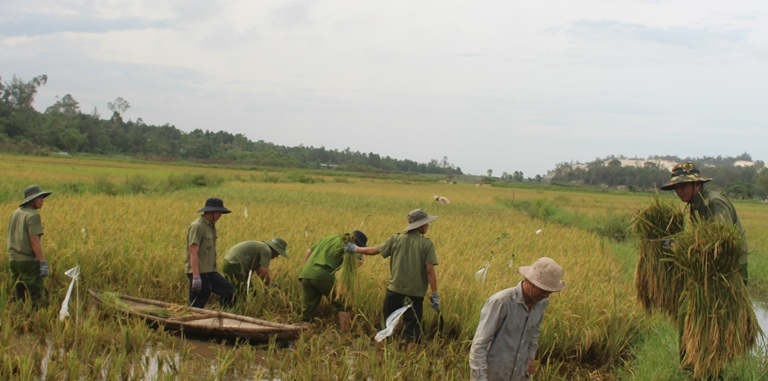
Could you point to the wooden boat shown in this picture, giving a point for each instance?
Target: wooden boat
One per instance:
(196, 321)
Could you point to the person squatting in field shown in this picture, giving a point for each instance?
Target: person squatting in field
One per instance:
(442, 199)
(507, 336)
(27, 262)
(201, 257)
(318, 277)
(251, 256)
(412, 267)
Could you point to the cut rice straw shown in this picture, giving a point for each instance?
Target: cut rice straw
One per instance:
(719, 321)
(344, 288)
(657, 279)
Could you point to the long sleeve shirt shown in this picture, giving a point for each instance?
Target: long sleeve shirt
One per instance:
(709, 205)
(506, 338)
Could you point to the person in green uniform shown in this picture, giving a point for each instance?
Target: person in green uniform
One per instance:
(25, 231)
(412, 268)
(318, 276)
(251, 256)
(706, 204)
(201, 257)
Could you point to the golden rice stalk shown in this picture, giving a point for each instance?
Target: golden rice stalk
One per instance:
(657, 279)
(111, 300)
(344, 288)
(719, 321)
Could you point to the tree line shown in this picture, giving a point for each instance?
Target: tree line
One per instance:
(736, 181)
(64, 127)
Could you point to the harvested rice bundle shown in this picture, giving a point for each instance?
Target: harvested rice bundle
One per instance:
(112, 300)
(719, 323)
(344, 288)
(657, 279)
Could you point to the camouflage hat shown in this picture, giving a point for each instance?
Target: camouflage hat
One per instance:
(417, 218)
(684, 173)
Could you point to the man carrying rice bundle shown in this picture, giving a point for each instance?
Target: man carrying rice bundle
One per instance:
(716, 322)
(688, 184)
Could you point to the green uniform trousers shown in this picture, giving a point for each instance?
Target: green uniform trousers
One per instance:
(312, 292)
(26, 279)
(235, 276)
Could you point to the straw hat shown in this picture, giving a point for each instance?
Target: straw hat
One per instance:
(214, 204)
(279, 245)
(545, 274)
(684, 173)
(417, 218)
(32, 192)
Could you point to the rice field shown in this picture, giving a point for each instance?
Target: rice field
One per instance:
(124, 224)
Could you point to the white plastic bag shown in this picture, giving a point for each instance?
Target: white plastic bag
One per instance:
(72, 273)
(392, 321)
(248, 284)
(481, 274)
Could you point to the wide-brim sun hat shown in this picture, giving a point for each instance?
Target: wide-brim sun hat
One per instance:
(32, 192)
(279, 245)
(417, 218)
(214, 204)
(684, 173)
(545, 274)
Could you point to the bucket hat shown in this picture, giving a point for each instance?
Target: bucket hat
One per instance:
(684, 173)
(214, 204)
(360, 238)
(32, 192)
(418, 217)
(545, 274)
(279, 245)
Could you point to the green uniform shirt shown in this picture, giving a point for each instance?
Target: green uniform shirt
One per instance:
(710, 204)
(25, 222)
(327, 256)
(249, 255)
(410, 254)
(203, 234)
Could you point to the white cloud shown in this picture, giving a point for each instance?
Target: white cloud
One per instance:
(489, 84)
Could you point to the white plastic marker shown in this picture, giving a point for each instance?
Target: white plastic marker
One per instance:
(538, 231)
(245, 212)
(392, 321)
(85, 234)
(480, 274)
(248, 283)
(72, 273)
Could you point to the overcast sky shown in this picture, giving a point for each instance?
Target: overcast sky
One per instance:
(501, 85)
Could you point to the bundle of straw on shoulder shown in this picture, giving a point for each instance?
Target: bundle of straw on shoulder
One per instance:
(344, 288)
(657, 280)
(719, 322)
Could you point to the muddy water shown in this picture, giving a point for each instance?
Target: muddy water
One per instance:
(155, 360)
(761, 312)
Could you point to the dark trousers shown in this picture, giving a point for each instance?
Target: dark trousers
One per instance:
(212, 282)
(411, 317)
(26, 279)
